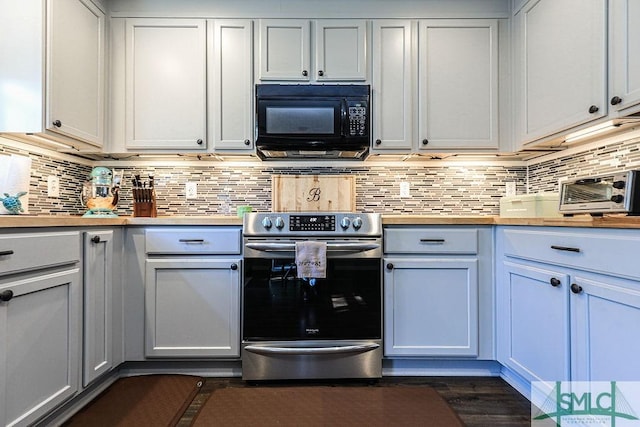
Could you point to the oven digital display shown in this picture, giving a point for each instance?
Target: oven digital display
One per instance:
(312, 223)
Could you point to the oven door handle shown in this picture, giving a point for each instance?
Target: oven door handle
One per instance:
(361, 348)
(331, 247)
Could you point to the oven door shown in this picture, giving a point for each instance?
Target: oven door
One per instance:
(279, 306)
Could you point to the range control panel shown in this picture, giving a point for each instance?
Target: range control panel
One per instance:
(312, 223)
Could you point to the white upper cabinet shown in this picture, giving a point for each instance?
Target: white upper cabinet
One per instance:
(60, 43)
(624, 51)
(230, 43)
(393, 76)
(458, 84)
(166, 84)
(286, 49)
(75, 74)
(341, 50)
(561, 65)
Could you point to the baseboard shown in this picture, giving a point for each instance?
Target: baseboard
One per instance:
(516, 381)
(440, 368)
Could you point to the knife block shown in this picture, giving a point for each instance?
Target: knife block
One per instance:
(145, 209)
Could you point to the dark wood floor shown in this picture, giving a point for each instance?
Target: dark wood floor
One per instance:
(479, 401)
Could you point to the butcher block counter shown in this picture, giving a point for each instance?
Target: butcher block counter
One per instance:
(30, 221)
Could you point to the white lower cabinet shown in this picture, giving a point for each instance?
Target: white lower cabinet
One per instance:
(431, 307)
(605, 341)
(40, 323)
(192, 308)
(438, 300)
(534, 325)
(98, 304)
(572, 318)
(192, 292)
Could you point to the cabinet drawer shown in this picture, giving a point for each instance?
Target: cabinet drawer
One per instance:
(431, 241)
(205, 241)
(23, 252)
(593, 250)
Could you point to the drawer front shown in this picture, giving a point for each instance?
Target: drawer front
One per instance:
(593, 250)
(23, 252)
(421, 240)
(197, 241)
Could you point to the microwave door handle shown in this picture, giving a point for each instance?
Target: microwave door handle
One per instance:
(344, 118)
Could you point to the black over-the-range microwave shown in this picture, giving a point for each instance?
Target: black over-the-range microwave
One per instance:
(297, 122)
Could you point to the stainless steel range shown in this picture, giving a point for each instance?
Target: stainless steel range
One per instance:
(304, 327)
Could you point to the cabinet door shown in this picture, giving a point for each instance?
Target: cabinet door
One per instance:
(231, 101)
(98, 308)
(285, 49)
(39, 345)
(562, 55)
(624, 45)
(341, 50)
(431, 307)
(605, 341)
(192, 308)
(166, 84)
(394, 71)
(75, 72)
(533, 322)
(458, 81)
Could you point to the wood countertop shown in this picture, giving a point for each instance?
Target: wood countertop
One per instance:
(610, 221)
(19, 221)
(28, 221)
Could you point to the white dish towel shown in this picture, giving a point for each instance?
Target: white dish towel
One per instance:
(311, 259)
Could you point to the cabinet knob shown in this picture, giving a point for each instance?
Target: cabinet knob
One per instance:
(593, 109)
(247, 142)
(234, 266)
(320, 73)
(305, 73)
(389, 266)
(378, 141)
(616, 100)
(95, 239)
(199, 142)
(575, 288)
(555, 282)
(425, 141)
(57, 123)
(6, 295)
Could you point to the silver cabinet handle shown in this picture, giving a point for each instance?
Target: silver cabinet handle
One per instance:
(312, 350)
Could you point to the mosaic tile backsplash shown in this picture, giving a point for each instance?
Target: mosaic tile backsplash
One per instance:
(451, 190)
(544, 176)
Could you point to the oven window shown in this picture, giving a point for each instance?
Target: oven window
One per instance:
(588, 192)
(300, 120)
(279, 306)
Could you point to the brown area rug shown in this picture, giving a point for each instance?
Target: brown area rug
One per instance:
(150, 400)
(326, 406)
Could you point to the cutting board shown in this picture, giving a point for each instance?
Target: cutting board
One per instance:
(313, 193)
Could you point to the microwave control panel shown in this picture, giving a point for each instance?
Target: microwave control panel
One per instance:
(357, 118)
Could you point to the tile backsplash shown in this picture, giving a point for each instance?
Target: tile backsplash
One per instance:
(434, 189)
(544, 175)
